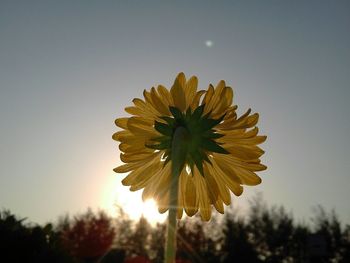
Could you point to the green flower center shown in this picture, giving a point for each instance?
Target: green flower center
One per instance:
(199, 137)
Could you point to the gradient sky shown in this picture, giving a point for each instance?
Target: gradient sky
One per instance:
(69, 68)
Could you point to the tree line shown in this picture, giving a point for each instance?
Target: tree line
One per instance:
(265, 234)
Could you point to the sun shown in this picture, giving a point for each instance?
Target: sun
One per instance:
(132, 204)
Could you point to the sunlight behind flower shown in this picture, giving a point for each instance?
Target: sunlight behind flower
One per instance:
(134, 207)
(109, 196)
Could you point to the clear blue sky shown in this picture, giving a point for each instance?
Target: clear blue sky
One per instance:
(68, 69)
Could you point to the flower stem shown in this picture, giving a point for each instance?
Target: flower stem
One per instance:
(178, 155)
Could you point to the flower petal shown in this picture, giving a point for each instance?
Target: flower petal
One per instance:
(158, 103)
(165, 94)
(136, 157)
(178, 93)
(151, 189)
(195, 102)
(163, 203)
(190, 90)
(227, 175)
(128, 167)
(224, 192)
(122, 123)
(217, 96)
(190, 198)
(203, 199)
(224, 103)
(207, 97)
(141, 127)
(181, 191)
(139, 177)
(212, 186)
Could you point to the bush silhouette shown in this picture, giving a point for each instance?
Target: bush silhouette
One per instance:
(88, 237)
(21, 243)
(265, 234)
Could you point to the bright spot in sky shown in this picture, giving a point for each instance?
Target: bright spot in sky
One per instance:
(209, 43)
(116, 196)
(134, 207)
(108, 197)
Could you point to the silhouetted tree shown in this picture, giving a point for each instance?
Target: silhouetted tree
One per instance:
(266, 234)
(88, 237)
(279, 233)
(191, 240)
(140, 239)
(345, 249)
(271, 231)
(21, 243)
(157, 243)
(214, 239)
(237, 246)
(114, 256)
(298, 249)
(124, 228)
(328, 228)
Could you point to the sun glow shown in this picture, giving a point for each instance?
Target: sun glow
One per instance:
(132, 204)
(115, 196)
(120, 196)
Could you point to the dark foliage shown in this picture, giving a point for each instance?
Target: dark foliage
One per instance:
(263, 235)
(22, 243)
(88, 237)
(114, 256)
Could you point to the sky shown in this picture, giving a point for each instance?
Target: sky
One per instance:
(69, 68)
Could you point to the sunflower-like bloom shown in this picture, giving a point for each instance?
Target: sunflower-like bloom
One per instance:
(221, 152)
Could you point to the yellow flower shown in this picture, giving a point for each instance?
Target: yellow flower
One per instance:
(221, 154)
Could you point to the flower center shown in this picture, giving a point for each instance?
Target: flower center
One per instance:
(199, 137)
